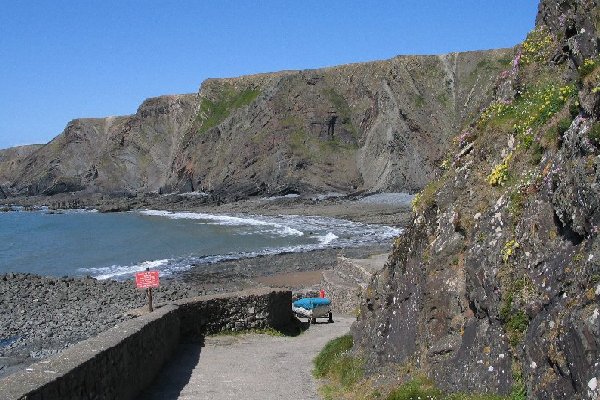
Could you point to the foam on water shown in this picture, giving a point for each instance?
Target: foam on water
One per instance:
(323, 232)
(119, 244)
(330, 237)
(117, 271)
(271, 226)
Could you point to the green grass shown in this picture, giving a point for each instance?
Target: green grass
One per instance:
(335, 363)
(538, 46)
(534, 108)
(423, 389)
(416, 389)
(342, 370)
(212, 113)
(263, 331)
(515, 321)
(419, 101)
(346, 379)
(426, 197)
(516, 325)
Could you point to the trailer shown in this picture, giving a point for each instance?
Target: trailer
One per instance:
(313, 308)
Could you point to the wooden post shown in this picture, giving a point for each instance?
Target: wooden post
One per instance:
(150, 299)
(149, 296)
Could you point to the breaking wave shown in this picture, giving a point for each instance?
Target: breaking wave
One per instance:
(292, 233)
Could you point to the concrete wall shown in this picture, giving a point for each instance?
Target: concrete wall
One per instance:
(120, 362)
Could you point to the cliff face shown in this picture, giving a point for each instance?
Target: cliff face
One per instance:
(372, 126)
(496, 285)
(11, 158)
(114, 154)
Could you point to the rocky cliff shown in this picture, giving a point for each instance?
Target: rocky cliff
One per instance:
(10, 161)
(371, 126)
(495, 288)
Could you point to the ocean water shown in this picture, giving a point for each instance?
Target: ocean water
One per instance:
(78, 243)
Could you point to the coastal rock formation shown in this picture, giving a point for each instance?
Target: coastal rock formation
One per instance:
(371, 126)
(10, 162)
(114, 154)
(495, 288)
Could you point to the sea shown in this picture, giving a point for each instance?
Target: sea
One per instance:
(116, 245)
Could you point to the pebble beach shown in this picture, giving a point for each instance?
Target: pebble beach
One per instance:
(40, 316)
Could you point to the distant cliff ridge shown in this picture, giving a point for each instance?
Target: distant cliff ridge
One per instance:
(371, 126)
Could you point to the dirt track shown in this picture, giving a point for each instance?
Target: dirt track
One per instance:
(251, 366)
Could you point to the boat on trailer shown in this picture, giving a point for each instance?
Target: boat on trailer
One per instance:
(313, 308)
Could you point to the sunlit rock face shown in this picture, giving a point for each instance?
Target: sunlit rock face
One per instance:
(379, 126)
(496, 286)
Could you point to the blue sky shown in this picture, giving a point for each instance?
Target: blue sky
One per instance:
(66, 59)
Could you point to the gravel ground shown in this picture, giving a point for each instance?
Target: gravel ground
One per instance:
(41, 316)
(251, 366)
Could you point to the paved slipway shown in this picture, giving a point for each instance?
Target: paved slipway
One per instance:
(251, 366)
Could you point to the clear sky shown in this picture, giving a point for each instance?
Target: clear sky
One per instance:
(61, 60)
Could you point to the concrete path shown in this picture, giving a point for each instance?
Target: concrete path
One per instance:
(260, 367)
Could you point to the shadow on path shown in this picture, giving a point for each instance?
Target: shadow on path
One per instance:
(175, 374)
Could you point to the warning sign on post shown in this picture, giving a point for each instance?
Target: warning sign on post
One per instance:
(146, 279)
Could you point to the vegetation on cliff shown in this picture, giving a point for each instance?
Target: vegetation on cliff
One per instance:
(357, 127)
(494, 289)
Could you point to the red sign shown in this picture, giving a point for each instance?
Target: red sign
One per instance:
(146, 279)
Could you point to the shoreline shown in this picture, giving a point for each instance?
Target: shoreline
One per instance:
(43, 315)
(393, 209)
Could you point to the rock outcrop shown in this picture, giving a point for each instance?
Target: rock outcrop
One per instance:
(495, 288)
(114, 154)
(371, 126)
(10, 162)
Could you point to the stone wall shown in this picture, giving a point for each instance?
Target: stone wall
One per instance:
(256, 309)
(120, 362)
(113, 365)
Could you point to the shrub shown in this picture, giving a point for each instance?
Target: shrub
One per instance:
(594, 133)
(537, 152)
(515, 326)
(426, 197)
(574, 109)
(538, 46)
(499, 174)
(587, 67)
(563, 125)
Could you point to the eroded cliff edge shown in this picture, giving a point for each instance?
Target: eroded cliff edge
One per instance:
(371, 126)
(495, 288)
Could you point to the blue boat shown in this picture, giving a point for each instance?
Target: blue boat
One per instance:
(313, 308)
